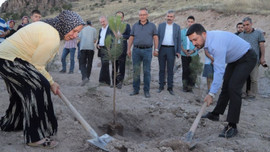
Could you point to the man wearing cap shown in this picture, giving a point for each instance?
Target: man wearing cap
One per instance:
(88, 37)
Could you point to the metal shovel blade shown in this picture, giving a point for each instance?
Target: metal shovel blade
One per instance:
(188, 140)
(190, 134)
(102, 141)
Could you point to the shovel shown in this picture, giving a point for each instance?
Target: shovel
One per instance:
(191, 132)
(101, 141)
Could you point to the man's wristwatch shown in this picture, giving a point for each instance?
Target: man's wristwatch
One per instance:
(211, 94)
(156, 49)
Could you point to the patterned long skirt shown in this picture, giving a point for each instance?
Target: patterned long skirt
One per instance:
(30, 108)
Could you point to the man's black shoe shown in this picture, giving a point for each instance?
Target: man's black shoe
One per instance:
(134, 93)
(119, 85)
(187, 90)
(160, 89)
(211, 116)
(62, 71)
(190, 90)
(171, 91)
(228, 132)
(146, 94)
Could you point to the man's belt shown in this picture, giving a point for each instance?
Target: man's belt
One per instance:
(142, 47)
(167, 45)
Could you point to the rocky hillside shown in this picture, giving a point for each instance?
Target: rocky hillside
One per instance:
(15, 9)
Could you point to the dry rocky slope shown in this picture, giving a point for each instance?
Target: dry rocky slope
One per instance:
(24, 7)
(155, 124)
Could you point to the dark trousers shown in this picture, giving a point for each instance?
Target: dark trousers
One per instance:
(78, 55)
(30, 108)
(120, 65)
(235, 75)
(86, 60)
(166, 57)
(104, 75)
(187, 79)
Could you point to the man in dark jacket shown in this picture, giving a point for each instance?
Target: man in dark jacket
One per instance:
(104, 76)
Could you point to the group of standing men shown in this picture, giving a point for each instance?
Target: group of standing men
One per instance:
(168, 41)
(86, 46)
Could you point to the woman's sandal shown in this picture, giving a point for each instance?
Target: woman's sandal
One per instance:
(46, 144)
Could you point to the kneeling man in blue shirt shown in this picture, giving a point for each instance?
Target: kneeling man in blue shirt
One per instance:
(226, 48)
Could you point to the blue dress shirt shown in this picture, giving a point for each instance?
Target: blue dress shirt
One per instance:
(225, 47)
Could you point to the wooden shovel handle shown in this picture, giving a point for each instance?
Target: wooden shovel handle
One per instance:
(198, 118)
(86, 126)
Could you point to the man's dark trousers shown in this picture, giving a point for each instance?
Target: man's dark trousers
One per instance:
(166, 56)
(121, 64)
(104, 75)
(235, 75)
(187, 80)
(86, 60)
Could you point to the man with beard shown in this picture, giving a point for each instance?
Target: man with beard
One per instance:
(226, 48)
(239, 28)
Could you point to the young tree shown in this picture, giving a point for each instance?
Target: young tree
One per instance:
(114, 45)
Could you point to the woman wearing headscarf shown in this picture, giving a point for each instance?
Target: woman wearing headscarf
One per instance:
(23, 58)
(25, 21)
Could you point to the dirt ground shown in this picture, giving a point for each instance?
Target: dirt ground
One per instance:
(157, 123)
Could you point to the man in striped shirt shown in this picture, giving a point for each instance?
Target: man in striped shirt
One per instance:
(3, 29)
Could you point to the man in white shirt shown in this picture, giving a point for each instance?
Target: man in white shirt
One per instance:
(169, 46)
(104, 76)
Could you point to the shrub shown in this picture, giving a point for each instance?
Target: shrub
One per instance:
(67, 6)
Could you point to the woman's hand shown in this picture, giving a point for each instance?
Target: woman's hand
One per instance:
(55, 88)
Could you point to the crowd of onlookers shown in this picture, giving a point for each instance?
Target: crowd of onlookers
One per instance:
(7, 28)
(147, 36)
